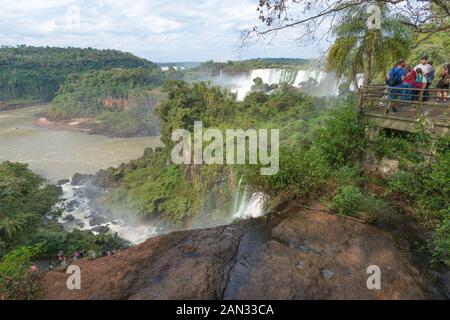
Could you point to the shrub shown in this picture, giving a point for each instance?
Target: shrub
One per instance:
(342, 139)
(301, 170)
(441, 242)
(15, 278)
(347, 200)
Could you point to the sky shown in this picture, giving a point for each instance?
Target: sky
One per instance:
(158, 30)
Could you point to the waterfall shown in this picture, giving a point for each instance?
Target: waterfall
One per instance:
(280, 76)
(252, 206)
(238, 197)
(323, 84)
(305, 75)
(269, 76)
(248, 205)
(273, 76)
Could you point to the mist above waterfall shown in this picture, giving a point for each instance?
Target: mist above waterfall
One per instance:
(313, 81)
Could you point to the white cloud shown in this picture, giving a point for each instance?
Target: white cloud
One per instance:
(159, 30)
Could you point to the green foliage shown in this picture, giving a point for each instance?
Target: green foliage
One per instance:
(436, 46)
(121, 101)
(342, 138)
(15, 277)
(427, 185)
(302, 171)
(54, 238)
(24, 200)
(355, 44)
(347, 200)
(441, 241)
(36, 73)
(155, 187)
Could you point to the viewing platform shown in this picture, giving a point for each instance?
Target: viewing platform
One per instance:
(392, 108)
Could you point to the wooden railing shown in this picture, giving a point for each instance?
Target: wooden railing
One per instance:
(381, 97)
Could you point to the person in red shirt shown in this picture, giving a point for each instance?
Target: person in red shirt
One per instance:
(409, 82)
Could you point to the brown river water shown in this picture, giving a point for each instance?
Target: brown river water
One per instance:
(60, 154)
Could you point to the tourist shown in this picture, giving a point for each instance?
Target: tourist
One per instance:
(409, 83)
(60, 256)
(421, 83)
(395, 79)
(33, 268)
(426, 70)
(64, 262)
(424, 65)
(430, 77)
(76, 255)
(92, 254)
(431, 74)
(443, 84)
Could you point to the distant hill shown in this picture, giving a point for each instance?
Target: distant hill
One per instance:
(30, 74)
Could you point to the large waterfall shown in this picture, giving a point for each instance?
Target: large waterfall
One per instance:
(305, 75)
(325, 82)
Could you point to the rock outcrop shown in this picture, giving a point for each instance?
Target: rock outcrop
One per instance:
(298, 254)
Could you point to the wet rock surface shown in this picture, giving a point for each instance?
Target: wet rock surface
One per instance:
(69, 218)
(62, 182)
(82, 179)
(97, 220)
(298, 254)
(101, 229)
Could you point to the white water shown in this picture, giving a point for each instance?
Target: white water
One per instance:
(242, 84)
(305, 75)
(133, 231)
(248, 205)
(77, 204)
(252, 206)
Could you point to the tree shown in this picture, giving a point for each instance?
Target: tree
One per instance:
(24, 200)
(360, 50)
(425, 17)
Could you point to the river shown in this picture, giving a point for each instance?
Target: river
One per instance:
(59, 155)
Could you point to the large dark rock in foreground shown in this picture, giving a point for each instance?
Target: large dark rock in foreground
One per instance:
(300, 255)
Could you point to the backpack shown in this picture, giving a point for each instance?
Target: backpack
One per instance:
(395, 78)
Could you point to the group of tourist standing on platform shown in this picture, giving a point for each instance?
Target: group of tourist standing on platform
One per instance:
(415, 83)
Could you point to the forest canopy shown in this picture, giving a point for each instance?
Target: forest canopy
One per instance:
(35, 73)
(121, 100)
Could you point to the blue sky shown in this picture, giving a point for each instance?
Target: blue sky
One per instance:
(159, 30)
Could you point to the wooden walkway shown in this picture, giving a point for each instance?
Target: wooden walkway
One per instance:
(389, 108)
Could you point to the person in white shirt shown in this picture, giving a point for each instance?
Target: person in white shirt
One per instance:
(426, 68)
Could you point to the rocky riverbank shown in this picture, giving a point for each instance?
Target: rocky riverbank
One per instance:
(291, 254)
